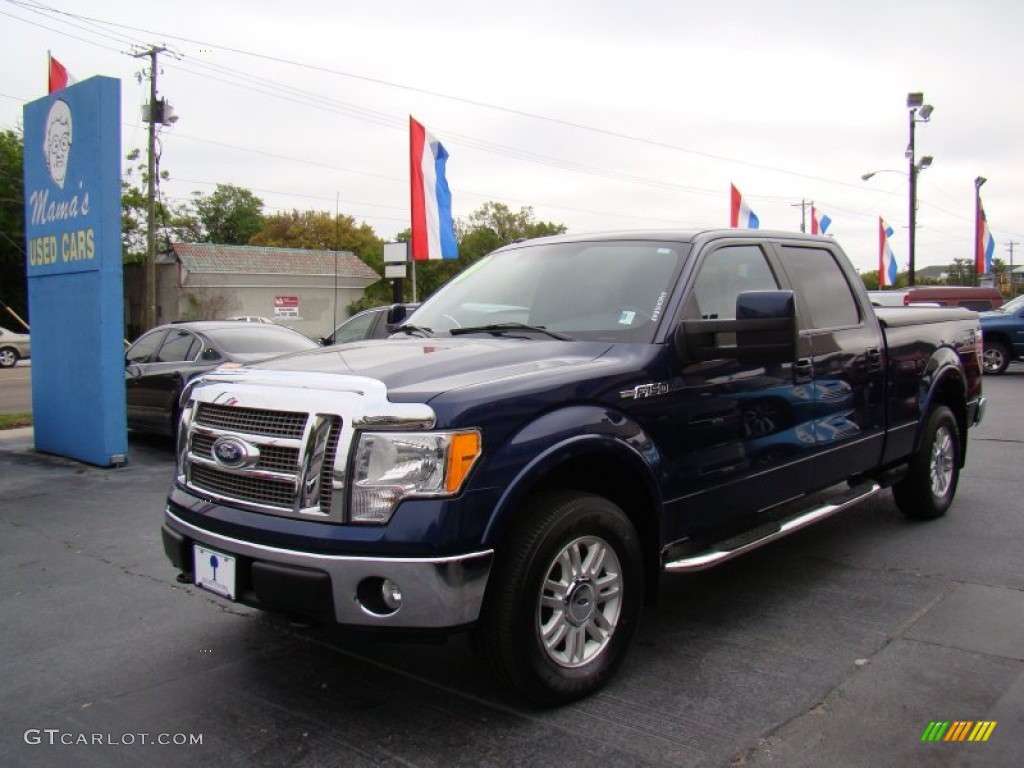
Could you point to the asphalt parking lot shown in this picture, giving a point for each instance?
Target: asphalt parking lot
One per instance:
(836, 647)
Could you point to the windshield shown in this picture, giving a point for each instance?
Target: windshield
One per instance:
(597, 291)
(1014, 305)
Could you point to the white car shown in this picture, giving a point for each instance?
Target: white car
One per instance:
(13, 347)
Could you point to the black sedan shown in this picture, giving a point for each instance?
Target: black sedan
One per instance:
(162, 361)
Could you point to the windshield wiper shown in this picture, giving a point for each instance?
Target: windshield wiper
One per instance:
(413, 330)
(499, 328)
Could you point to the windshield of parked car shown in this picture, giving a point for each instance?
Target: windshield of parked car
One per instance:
(1014, 305)
(612, 291)
(268, 340)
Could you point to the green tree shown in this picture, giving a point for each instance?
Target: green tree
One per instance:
(13, 285)
(961, 272)
(319, 230)
(230, 215)
(135, 210)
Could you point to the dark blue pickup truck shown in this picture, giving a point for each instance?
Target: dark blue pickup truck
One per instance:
(1003, 331)
(563, 422)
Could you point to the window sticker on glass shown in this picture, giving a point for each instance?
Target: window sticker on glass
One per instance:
(626, 317)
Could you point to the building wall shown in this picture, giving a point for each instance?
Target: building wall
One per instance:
(217, 296)
(318, 303)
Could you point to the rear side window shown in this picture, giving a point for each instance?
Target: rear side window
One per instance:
(822, 286)
(180, 346)
(358, 327)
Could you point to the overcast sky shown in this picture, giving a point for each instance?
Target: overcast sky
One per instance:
(600, 115)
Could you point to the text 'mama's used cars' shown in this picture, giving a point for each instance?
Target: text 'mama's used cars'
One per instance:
(162, 361)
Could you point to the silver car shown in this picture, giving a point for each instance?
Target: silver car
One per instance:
(13, 347)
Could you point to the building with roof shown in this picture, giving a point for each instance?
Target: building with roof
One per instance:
(304, 289)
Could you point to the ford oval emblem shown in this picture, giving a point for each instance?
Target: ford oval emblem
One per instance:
(234, 453)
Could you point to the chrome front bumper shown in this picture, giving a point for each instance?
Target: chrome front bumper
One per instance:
(437, 593)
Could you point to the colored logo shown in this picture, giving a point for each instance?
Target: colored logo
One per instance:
(57, 142)
(233, 453)
(958, 730)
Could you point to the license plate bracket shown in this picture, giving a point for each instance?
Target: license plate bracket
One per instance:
(214, 571)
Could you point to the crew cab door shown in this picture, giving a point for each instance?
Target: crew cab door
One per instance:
(734, 449)
(842, 371)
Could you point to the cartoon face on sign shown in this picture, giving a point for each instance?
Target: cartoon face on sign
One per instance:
(57, 144)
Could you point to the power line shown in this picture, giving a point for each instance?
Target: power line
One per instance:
(446, 96)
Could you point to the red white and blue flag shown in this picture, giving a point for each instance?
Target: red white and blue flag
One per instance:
(433, 232)
(819, 222)
(740, 214)
(887, 267)
(986, 245)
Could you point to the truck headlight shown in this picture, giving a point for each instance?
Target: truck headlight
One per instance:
(390, 466)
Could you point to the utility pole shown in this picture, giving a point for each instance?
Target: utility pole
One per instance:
(149, 313)
(802, 205)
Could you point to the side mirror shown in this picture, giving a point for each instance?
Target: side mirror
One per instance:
(764, 332)
(210, 355)
(396, 314)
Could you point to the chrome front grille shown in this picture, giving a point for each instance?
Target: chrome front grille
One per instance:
(288, 459)
(272, 457)
(327, 473)
(288, 467)
(231, 485)
(254, 421)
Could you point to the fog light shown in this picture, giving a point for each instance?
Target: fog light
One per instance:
(379, 596)
(392, 594)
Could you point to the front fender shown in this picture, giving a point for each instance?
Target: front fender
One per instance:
(558, 438)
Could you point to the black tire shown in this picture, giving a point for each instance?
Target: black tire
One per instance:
(8, 357)
(589, 629)
(930, 484)
(995, 357)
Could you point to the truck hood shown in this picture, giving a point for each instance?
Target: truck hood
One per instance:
(418, 369)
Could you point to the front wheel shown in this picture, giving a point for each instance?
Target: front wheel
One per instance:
(930, 484)
(8, 357)
(995, 357)
(563, 599)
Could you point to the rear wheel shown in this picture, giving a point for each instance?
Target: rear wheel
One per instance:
(564, 598)
(930, 484)
(995, 358)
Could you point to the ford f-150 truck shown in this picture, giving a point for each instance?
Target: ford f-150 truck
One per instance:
(563, 422)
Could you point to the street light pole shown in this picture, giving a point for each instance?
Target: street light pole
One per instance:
(915, 102)
(913, 201)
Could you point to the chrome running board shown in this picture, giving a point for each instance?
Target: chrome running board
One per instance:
(727, 549)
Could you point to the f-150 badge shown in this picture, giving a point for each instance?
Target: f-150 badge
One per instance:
(640, 391)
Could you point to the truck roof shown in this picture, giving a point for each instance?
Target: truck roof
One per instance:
(675, 235)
